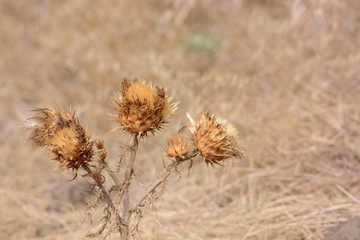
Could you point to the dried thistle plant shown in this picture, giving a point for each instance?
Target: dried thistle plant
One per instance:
(61, 133)
(140, 108)
(215, 139)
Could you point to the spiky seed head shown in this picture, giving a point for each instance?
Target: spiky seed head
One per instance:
(142, 108)
(214, 139)
(177, 147)
(61, 133)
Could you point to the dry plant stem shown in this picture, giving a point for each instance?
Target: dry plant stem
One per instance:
(113, 176)
(105, 194)
(99, 184)
(157, 183)
(129, 172)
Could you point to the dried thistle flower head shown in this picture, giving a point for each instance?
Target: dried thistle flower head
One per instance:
(215, 139)
(142, 108)
(61, 133)
(177, 147)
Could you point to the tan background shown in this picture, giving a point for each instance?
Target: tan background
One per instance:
(285, 73)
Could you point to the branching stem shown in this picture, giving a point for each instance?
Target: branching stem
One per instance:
(99, 184)
(105, 194)
(169, 169)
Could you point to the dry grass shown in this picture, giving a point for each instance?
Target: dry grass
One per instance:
(285, 73)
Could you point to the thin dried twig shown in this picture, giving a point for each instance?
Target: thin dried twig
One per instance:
(113, 176)
(157, 183)
(99, 184)
(105, 194)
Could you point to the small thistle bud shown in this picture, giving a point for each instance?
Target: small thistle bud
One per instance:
(101, 150)
(215, 139)
(61, 133)
(142, 108)
(177, 147)
(99, 144)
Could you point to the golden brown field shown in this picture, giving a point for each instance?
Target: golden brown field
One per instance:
(285, 73)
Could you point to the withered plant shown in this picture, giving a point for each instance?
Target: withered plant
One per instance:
(140, 109)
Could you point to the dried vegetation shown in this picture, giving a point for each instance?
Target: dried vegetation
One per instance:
(285, 73)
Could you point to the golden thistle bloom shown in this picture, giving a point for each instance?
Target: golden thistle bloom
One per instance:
(177, 147)
(61, 133)
(141, 107)
(215, 139)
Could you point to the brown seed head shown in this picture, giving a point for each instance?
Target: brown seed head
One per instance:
(215, 139)
(177, 147)
(142, 108)
(61, 133)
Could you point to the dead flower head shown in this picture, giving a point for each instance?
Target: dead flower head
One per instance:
(215, 139)
(61, 133)
(177, 147)
(142, 108)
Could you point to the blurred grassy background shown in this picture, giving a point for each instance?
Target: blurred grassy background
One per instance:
(285, 73)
